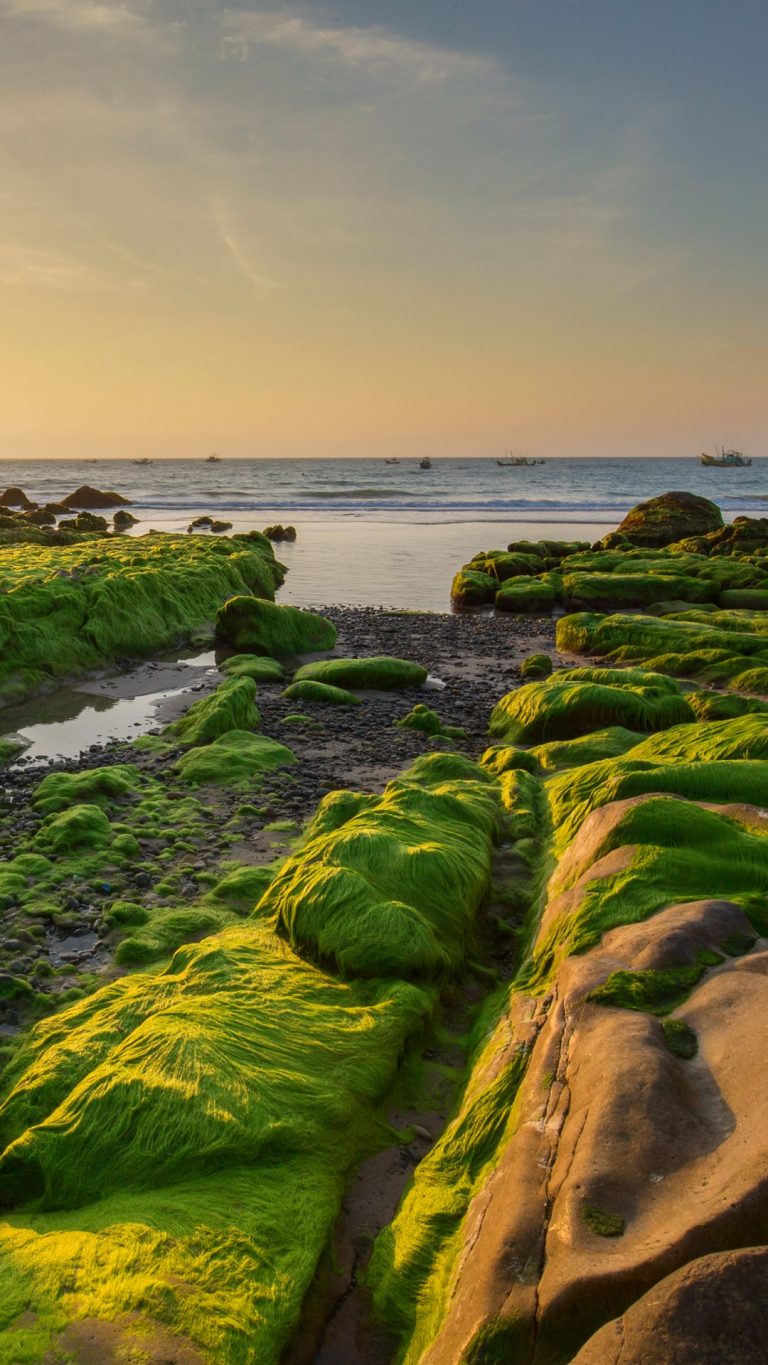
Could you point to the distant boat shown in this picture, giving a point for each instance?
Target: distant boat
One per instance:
(726, 459)
(426, 463)
(213, 458)
(142, 461)
(391, 461)
(517, 461)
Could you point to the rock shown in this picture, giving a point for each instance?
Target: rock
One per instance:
(15, 497)
(122, 520)
(254, 625)
(670, 517)
(85, 496)
(280, 532)
(711, 1311)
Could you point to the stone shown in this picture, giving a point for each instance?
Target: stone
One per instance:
(668, 518)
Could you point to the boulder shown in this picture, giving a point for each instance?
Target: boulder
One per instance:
(85, 496)
(15, 497)
(255, 626)
(669, 518)
(710, 1311)
(122, 520)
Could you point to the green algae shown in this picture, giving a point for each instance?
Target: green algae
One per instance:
(473, 588)
(528, 594)
(233, 758)
(393, 889)
(502, 758)
(601, 1222)
(310, 690)
(261, 669)
(67, 609)
(562, 707)
(231, 707)
(611, 742)
(656, 991)
(377, 672)
(97, 786)
(680, 1038)
(422, 718)
(257, 626)
(82, 826)
(536, 666)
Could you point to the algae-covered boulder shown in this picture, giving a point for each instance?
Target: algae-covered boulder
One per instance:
(473, 588)
(393, 889)
(310, 690)
(95, 786)
(424, 719)
(524, 594)
(260, 668)
(378, 672)
(670, 517)
(536, 666)
(231, 707)
(256, 626)
(88, 497)
(79, 827)
(562, 708)
(232, 757)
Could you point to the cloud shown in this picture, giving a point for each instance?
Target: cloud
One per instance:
(91, 16)
(47, 270)
(261, 283)
(367, 48)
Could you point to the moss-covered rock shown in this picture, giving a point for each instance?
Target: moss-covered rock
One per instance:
(536, 666)
(424, 719)
(473, 588)
(562, 708)
(529, 595)
(257, 626)
(379, 672)
(670, 517)
(232, 758)
(78, 827)
(261, 669)
(310, 690)
(231, 707)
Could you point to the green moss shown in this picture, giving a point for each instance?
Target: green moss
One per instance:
(379, 672)
(232, 758)
(611, 742)
(84, 826)
(257, 626)
(529, 595)
(563, 708)
(680, 1039)
(602, 1223)
(394, 888)
(167, 930)
(536, 666)
(262, 670)
(473, 588)
(502, 758)
(657, 991)
(126, 912)
(67, 609)
(231, 707)
(309, 690)
(428, 721)
(95, 786)
(243, 887)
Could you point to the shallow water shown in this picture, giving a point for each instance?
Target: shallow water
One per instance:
(69, 720)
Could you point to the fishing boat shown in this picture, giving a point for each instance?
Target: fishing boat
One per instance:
(517, 461)
(426, 463)
(391, 461)
(142, 462)
(726, 459)
(213, 458)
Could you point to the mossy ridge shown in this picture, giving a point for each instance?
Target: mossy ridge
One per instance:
(133, 1034)
(234, 759)
(378, 672)
(562, 707)
(261, 668)
(311, 690)
(67, 609)
(392, 887)
(656, 991)
(171, 1060)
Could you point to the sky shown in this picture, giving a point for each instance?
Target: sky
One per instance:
(410, 226)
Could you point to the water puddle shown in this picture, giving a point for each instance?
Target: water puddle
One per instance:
(73, 719)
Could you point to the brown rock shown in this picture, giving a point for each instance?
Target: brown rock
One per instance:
(15, 497)
(85, 496)
(711, 1312)
(670, 517)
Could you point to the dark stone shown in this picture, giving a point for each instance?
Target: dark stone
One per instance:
(670, 517)
(85, 496)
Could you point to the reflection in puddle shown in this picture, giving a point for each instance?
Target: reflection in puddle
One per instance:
(68, 721)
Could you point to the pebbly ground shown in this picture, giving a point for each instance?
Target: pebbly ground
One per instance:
(476, 655)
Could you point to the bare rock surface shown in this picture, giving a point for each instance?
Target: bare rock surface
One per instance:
(710, 1312)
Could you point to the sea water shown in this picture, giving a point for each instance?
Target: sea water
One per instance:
(372, 532)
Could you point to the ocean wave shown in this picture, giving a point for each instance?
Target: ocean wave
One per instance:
(359, 493)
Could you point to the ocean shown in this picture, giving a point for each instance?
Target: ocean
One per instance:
(371, 532)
